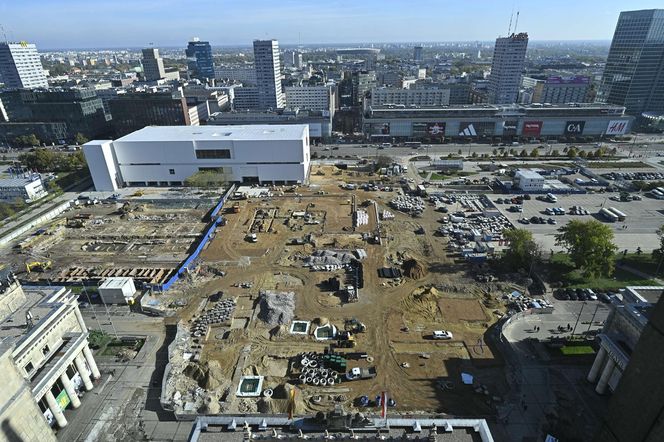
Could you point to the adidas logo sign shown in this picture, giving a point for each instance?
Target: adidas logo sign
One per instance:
(468, 131)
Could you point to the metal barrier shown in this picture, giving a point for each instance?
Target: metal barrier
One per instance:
(210, 230)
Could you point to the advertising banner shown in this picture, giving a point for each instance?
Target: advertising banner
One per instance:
(616, 127)
(436, 129)
(531, 128)
(574, 127)
(509, 127)
(380, 129)
(62, 399)
(476, 129)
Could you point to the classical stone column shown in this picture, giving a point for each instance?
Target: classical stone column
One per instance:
(55, 409)
(606, 375)
(91, 362)
(597, 365)
(80, 366)
(79, 318)
(69, 388)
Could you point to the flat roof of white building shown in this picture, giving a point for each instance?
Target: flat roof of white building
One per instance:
(115, 282)
(529, 174)
(213, 133)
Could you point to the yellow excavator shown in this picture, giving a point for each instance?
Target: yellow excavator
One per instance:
(38, 266)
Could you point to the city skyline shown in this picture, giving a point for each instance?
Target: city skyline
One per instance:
(335, 22)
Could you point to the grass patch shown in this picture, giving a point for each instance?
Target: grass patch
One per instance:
(644, 262)
(561, 269)
(618, 165)
(573, 350)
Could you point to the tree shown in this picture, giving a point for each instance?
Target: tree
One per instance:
(555, 153)
(534, 153)
(522, 250)
(27, 140)
(494, 152)
(474, 155)
(572, 152)
(80, 138)
(590, 246)
(383, 161)
(523, 153)
(459, 152)
(583, 154)
(659, 253)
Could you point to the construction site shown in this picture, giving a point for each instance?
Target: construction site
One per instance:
(294, 299)
(321, 295)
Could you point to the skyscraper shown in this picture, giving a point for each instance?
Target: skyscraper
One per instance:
(20, 66)
(509, 57)
(634, 74)
(199, 59)
(268, 74)
(153, 65)
(417, 53)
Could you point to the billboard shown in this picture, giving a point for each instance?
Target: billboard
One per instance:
(531, 128)
(616, 127)
(379, 129)
(476, 129)
(62, 399)
(436, 129)
(574, 127)
(509, 127)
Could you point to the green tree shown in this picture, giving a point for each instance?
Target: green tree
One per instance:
(524, 153)
(494, 152)
(590, 246)
(659, 253)
(534, 153)
(80, 138)
(459, 152)
(555, 153)
(522, 250)
(383, 161)
(27, 140)
(572, 152)
(42, 160)
(474, 155)
(583, 154)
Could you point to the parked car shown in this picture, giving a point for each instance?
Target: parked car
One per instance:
(442, 334)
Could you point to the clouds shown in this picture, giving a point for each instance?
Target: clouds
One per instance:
(123, 23)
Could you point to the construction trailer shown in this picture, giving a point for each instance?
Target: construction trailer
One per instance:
(117, 290)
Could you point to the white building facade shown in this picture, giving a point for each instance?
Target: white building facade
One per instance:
(168, 155)
(509, 58)
(410, 97)
(268, 74)
(45, 357)
(20, 66)
(25, 188)
(310, 97)
(528, 180)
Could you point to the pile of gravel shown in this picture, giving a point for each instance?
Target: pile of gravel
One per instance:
(328, 257)
(277, 308)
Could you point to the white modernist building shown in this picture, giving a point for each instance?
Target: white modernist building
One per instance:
(310, 97)
(27, 188)
(410, 97)
(528, 180)
(167, 155)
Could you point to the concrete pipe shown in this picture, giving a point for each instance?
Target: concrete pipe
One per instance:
(316, 381)
(331, 381)
(324, 372)
(323, 382)
(309, 379)
(335, 374)
(313, 363)
(304, 362)
(268, 393)
(302, 377)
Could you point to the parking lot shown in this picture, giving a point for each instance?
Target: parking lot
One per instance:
(638, 230)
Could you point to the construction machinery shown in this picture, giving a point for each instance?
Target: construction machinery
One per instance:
(235, 208)
(354, 326)
(38, 266)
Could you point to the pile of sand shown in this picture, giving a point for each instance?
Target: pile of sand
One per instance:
(207, 375)
(414, 269)
(423, 302)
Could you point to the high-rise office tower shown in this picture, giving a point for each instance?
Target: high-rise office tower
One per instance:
(153, 65)
(20, 66)
(199, 59)
(509, 57)
(634, 73)
(268, 74)
(417, 53)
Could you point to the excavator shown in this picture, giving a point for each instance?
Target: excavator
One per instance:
(354, 326)
(40, 264)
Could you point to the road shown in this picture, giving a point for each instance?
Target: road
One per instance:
(124, 406)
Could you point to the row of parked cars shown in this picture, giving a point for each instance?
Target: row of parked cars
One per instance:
(581, 295)
(644, 176)
(537, 220)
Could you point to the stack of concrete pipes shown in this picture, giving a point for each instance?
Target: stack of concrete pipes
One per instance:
(221, 312)
(313, 372)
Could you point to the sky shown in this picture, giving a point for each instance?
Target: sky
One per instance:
(53, 24)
